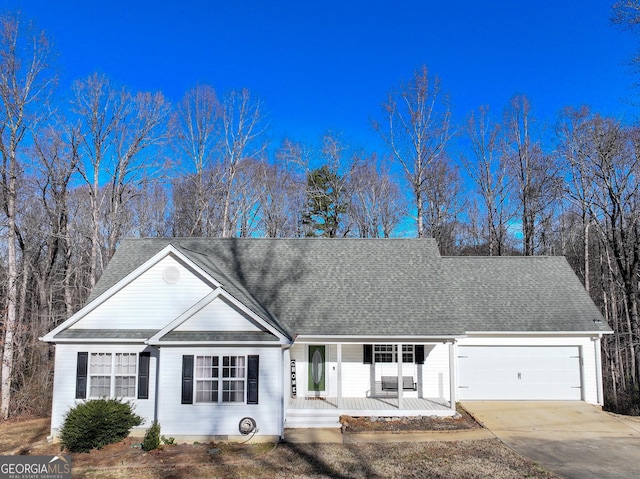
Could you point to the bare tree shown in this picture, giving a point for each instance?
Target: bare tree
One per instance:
(243, 127)
(444, 204)
(284, 191)
(532, 171)
(376, 205)
(488, 170)
(24, 87)
(573, 132)
(417, 129)
(118, 129)
(626, 15)
(196, 131)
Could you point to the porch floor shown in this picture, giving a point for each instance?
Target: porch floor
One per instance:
(324, 412)
(370, 404)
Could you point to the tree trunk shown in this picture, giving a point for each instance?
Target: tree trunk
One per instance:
(12, 293)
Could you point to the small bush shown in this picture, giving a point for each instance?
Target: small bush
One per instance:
(169, 441)
(152, 438)
(96, 423)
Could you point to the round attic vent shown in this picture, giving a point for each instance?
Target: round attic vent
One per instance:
(171, 275)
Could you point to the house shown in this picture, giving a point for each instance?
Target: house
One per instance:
(216, 338)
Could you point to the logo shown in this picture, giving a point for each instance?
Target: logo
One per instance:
(35, 467)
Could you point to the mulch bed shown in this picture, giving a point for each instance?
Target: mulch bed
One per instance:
(460, 421)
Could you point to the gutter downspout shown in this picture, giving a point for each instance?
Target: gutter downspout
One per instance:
(598, 353)
(283, 406)
(452, 375)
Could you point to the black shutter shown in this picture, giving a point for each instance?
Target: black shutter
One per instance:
(368, 354)
(419, 353)
(187, 379)
(252, 379)
(81, 375)
(143, 375)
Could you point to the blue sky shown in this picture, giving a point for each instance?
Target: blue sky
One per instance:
(327, 65)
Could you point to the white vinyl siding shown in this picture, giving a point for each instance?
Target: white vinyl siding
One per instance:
(148, 302)
(219, 315)
(64, 385)
(220, 418)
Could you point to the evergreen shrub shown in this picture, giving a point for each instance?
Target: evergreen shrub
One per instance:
(152, 438)
(96, 423)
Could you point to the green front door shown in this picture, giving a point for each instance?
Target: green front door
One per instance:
(316, 368)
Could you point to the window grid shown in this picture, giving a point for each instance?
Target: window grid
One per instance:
(407, 353)
(383, 353)
(125, 374)
(100, 375)
(233, 367)
(388, 353)
(212, 377)
(112, 375)
(207, 373)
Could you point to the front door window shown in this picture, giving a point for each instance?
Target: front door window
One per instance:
(316, 368)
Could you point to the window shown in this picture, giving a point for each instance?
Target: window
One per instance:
(208, 379)
(125, 374)
(384, 353)
(407, 353)
(207, 373)
(100, 375)
(388, 353)
(112, 375)
(235, 376)
(233, 389)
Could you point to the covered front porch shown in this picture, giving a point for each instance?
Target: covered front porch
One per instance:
(324, 412)
(373, 377)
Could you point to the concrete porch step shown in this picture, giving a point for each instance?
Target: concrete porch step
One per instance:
(315, 421)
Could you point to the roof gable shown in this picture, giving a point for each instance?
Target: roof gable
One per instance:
(151, 300)
(218, 316)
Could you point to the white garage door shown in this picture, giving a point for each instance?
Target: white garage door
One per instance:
(526, 373)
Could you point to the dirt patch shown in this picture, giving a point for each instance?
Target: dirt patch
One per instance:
(461, 421)
(18, 434)
(462, 459)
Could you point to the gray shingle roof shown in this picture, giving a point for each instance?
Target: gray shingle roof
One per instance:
(141, 334)
(511, 293)
(219, 336)
(378, 286)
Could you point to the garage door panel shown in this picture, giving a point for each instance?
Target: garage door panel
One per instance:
(525, 373)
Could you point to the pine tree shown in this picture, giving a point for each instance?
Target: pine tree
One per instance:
(325, 203)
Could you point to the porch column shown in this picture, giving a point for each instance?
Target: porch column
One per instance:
(399, 359)
(598, 352)
(452, 375)
(339, 374)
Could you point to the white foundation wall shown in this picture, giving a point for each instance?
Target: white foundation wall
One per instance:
(358, 379)
(205, 420)
(589, 347)
(64, 383)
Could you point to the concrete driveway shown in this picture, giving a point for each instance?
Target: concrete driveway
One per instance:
(570, 438)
